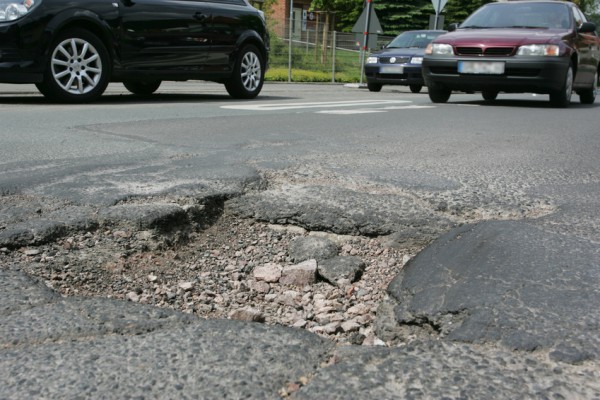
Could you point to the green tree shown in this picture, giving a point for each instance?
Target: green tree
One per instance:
(399, 16)
(589, 7)
(458, 10)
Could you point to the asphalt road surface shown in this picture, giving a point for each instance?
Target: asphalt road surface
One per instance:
(502, 302)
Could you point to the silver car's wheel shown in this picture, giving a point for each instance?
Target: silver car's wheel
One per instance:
(248, 74)
(77, 69)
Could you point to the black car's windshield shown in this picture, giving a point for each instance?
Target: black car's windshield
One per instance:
(414, 39)
(525, 15)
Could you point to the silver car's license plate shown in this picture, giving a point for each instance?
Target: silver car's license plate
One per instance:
(481, 67)
(392, 70)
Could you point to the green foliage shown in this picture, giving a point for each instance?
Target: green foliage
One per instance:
(589, 7)
(280, 74)
(458, 10)
(398, 16)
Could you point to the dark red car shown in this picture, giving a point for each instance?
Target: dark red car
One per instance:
(545, 47)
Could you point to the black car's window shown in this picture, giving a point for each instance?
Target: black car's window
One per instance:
(526, 15)
(413, 39)
(236, 2)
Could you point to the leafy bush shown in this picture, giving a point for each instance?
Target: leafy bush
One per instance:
(280, 74)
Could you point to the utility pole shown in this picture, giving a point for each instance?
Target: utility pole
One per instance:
(365, 41)
(290, 43)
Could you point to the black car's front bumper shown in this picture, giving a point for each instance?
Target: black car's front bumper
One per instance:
(521, 74)
(410, 74)
(19, 62)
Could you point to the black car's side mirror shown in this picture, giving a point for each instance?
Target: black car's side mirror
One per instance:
(452, 27)
(128, 3)
(587, 27)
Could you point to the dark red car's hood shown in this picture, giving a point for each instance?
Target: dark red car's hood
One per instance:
(501, 37)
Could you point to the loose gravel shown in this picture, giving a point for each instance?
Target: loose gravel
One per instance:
(210, 273)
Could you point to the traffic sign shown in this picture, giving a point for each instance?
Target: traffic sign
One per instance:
(438, 5)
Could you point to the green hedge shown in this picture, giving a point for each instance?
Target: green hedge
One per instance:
(299, 75)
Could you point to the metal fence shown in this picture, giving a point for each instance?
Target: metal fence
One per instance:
(315, 53)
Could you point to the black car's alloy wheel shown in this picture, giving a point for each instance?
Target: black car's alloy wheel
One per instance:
(562, 98)
(142, 88)
(248, 74)
(588, 96)
(78, 67)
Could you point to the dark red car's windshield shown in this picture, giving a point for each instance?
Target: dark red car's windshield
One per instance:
(523, 15)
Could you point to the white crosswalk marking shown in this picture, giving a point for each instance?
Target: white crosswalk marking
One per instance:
(323, 104)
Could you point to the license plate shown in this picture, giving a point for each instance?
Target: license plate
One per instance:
(481, 67)
(392, 70)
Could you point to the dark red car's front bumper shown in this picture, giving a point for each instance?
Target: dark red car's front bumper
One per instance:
(521, 74)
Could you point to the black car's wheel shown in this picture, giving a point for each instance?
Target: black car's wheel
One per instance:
(489, 95)
(588, 96)
(374, 87)
(562, 98)
(439, 94)
(142, 88)
(78, 68)
(248, 74)
(415, 88)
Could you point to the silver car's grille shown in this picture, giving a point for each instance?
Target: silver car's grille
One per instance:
(397, 60)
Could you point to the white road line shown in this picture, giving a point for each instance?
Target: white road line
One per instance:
(324, 104)
(348, 112)
(411, 107)
(372, 110)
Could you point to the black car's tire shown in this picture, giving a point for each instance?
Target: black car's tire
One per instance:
(415, 88)
(439, 94)
(77, 69)
(142, 88)
(562, 98)
(248, 74)
(588, 96)
(374, 87)
(489, 95)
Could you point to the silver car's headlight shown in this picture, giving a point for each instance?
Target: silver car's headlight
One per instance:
(539, 50)
(416, 60)
(13, 10)
(372, 60)
(439, 49)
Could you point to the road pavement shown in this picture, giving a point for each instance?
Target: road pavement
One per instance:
(501, 303)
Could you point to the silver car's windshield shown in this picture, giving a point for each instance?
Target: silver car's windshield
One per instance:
(416, 39)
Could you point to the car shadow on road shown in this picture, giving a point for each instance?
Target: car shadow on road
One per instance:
(540, 103)
(126, 98)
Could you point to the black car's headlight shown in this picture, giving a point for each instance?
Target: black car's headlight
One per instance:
(13, 10)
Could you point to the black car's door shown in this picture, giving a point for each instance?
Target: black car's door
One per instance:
(164, 34)
(230, 19)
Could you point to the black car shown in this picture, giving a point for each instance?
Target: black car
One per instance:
(545, 47)
(399, 63)
(71, 50)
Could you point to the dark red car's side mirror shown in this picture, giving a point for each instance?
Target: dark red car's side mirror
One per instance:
(587, 27)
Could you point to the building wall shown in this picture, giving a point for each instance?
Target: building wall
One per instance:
(281, 14)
